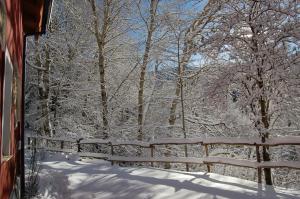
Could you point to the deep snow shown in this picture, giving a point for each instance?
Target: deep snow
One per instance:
(65, 176)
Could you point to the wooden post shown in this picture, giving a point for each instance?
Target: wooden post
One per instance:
(78, 145)
(206, 154)
(259, 171)
(28, 140)
(152, 153)
(62, 144)
(47, 143)
(187, 168)
(34, 144)
(112, 152)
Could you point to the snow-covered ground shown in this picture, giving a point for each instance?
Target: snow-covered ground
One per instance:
(64, 177)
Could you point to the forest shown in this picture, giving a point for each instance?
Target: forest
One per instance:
(142, 70)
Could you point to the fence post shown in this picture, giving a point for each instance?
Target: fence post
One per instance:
(206, 154)
(28, 140)
(62, 144)
(152, 153)
(111, 151)
(258, 160)
(78, 145)
(34, 145)
(187, 168)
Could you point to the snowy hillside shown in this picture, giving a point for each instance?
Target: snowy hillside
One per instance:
(64, 177)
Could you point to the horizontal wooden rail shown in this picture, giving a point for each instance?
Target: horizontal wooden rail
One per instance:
(176, 141)
(207, 160)
(93, 155)
(291, 140)
(150, 159)
(132, 143)
(231, 161)
(94, 141)
(55, 149)
(65, 139)
(276, 141)
(281, 164)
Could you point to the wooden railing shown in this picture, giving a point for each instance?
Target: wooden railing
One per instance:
(204, 142)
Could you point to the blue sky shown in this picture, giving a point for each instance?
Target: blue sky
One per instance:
(191, 7)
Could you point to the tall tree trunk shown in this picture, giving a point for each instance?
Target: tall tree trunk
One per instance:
(172, 116)
(151, 28)
(182, 109)
(181, 68)
(195, 29)
(57, 92)
(263, 101)
(43, 90)
(146, 109)
(101, 39)
(264, 136)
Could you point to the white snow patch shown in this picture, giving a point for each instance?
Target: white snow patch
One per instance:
(67, 177)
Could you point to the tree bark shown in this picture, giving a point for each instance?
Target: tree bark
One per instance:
(151, 28)
(43, 90)
(206, 16)
(188, 50)
(101, 39)
(263, 100)
(265, 135)
(172, 116)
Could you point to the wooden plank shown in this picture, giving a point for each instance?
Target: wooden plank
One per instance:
(280, 164)
(230, 161)
(231, 141)
(53, 138)
(176, 141)
(95, 141)
(94, 155)
(131, 143)
(163, 159)
(284, 140)
(56, 149)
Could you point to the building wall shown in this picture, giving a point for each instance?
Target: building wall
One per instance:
(14, 44)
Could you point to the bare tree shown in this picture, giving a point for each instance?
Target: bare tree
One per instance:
(150, 30)
(189, 48)
(101, 36)
(43, 69)
(105, 32)
(256, 42)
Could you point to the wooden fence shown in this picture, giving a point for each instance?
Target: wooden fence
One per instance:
(204, 142)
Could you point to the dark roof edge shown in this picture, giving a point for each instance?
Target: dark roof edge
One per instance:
(45, 20)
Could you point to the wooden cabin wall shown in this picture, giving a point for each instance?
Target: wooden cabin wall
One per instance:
(14, 44)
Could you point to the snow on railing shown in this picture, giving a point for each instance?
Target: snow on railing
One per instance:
(165, 141)
(287, 140)
(133, 143)
(205, 142)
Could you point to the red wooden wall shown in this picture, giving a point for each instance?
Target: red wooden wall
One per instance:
(14, 44)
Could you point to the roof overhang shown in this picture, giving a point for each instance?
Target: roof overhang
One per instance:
(36, 16)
